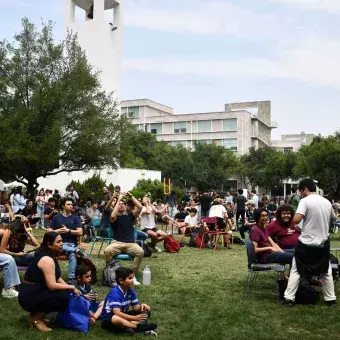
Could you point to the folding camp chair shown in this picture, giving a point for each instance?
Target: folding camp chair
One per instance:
(217, 233)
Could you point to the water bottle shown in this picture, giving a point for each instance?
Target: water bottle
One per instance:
(147, 276)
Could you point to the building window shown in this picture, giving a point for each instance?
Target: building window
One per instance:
(156, 128)
(204, 141)
(132, 112)
(140, 127)
(230, 143)
(204, 126)
(180, 127)
(179, 142)
(287, 150)
(230, 124)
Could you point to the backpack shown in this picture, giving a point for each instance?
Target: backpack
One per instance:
(305, 295)
(196, 240)
(171, 245)
(89, 234)
(109, 273)
(147, 250)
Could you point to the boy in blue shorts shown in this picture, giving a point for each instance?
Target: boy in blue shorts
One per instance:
(116, 316)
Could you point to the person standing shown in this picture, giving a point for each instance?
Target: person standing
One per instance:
(255, 199)
(206, 201)
(41, 200)
(240, 207)
(171, 201)
(294, 199)
(313, 246)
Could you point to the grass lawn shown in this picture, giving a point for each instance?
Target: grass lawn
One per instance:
(199, 295)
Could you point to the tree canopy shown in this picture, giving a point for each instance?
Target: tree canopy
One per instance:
(54, 116)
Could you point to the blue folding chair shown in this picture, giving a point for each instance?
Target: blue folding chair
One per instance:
(101, 239)
(254, 267)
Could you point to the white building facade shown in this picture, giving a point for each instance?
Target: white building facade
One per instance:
(101, 37)
(239, 127)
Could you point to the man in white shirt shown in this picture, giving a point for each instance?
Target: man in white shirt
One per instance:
(313, 247)
(148, 225)
(255, 199)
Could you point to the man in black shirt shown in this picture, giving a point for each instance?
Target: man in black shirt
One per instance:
(240, 207)
(122, 223)
(50, 211)
(205, 201)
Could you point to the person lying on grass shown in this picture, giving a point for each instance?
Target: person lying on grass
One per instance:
(117, 316)
(83, 278)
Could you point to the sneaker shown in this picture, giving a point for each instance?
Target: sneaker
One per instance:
(151, 333)
(9, 293)
(158, 250)
(145, 327)
(330, 303)
(287, 303)
(135, 282)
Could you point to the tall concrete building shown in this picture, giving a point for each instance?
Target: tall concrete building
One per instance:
(100, 34)
(238, 127)
(293, 142)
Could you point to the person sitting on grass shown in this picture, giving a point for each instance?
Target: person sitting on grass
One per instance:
(147, 221)
(191, 221)
(266, 250)
(13, 239)
(117, 316)
(83, 277)
(283, 229)
(50, 211)
(180, 217)
(162, 216)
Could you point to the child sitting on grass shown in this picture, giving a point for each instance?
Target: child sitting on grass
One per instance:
(116, 316)
(83, 277)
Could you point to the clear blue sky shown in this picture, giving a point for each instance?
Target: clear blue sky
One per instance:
(197, 55)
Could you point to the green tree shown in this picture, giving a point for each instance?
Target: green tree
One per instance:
(265, 167)
(212, 166)
(54, 116)
(321, 161)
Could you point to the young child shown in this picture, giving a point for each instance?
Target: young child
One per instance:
(83, 277)
(116, 316)
(191, 220)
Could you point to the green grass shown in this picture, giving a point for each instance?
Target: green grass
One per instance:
(199, 295)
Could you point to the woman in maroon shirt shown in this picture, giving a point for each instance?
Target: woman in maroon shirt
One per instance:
(283, 229)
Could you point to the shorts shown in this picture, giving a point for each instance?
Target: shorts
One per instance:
(145, 230)
(109, 326)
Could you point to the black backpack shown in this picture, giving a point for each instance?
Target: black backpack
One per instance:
(109, 273)
(147, 250)
(305, 295)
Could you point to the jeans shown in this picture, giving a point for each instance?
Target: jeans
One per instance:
(294, 281)
(172, 212)
(243, 229)
(40, 212)
(70, 250)
(23, 260)
(10, 271)
(141, 236)
(241, 213)
(205, 213)
(281, 258)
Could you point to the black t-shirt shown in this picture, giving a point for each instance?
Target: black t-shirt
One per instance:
(205, 202)
(105, 221)
(71, 222)
(241, 203)
(122, 227)
(181, 215)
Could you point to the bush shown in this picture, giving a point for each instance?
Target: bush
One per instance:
(91, 189)
(155, 189)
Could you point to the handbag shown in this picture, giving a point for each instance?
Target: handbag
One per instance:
(76, 316)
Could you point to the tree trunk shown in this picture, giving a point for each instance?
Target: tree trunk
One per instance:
(31, 187)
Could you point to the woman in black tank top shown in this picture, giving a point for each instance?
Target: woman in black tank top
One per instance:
(43, 290)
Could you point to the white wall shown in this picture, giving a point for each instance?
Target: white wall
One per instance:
(126, 178)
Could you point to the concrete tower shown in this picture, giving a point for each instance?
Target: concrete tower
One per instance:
(101, 38)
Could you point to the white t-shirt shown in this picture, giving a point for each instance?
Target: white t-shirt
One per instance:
(191, 221)
(217, 210)
(147, 221)
(317, 213)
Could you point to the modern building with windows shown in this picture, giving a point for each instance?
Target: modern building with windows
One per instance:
(239, 127)
(292, 142)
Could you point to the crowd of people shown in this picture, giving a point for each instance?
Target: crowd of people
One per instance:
(295, 233)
